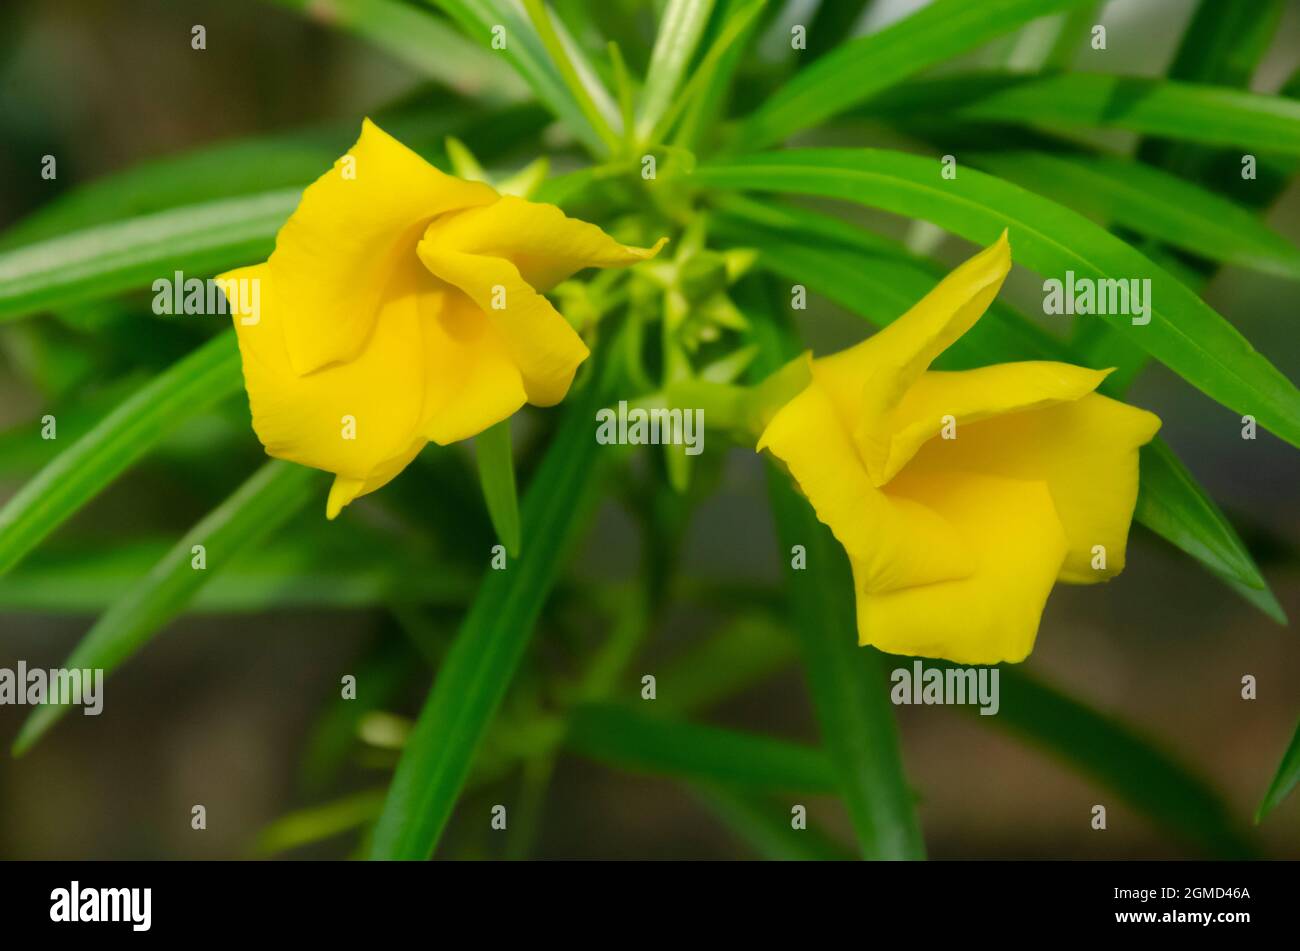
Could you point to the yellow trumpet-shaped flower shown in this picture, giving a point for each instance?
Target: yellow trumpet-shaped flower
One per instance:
(961, 497)
(402, 305)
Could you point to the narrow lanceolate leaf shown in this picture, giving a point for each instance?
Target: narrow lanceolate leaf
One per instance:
(832, 24)
(496, 21)
(583, 84)
(256, 166)
(76, 475)
(313, 574)
(1225, 41)
(872, 276)
(1250, 122)
(1183, 332)
(1174, 506)
(1222, 46)
(847, 683)
(270, 497)
(856, 70)
(101, 261)
(496, 473)
(1119, 760)
(1052, 41)
(680, 30)
(487, 651)
(879, 280)
(421, 40)
(660, 746)
(1150, 202)
(704, 96)
(318, 823)
(1288, 774)
(203, 211)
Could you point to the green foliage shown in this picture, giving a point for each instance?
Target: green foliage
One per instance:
(481, 663)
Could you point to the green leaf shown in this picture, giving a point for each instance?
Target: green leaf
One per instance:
(526, 52)
(1288, 774)
(496, 473)
(1222, 46)
(23, 451)
(658, 745)
(1118, 760)
(318, 572)
(107, 259)
(209, 374)
(1052, 41)
(871, 276)
(846, 682)
(765, 826)
(256, 166)
(318, 823)
(1150, 202)
(490, 645)
(277, 491)
(422, 41)
(1174, 506)
(1225, 41)
(1263, 599)
(582, 82)
(1184, 333)
(832, 24)
(244, 168)
(847, 685)
(1248, 122)
(196, 238)
(680, 29)
(704, 98)
(856, 70)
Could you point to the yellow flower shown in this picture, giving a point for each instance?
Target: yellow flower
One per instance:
(955, 543)
(403, 305)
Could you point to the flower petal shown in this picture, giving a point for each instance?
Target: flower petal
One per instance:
(472, 380)
(1085, 451)
(992, 615)
(868, 380)
(892, 541)
(545, 245)
(345, 488)
(302, 418)
(546, 350)
(337, 252)
(969, 396)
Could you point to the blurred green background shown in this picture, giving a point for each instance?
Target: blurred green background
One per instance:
(219, 709)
